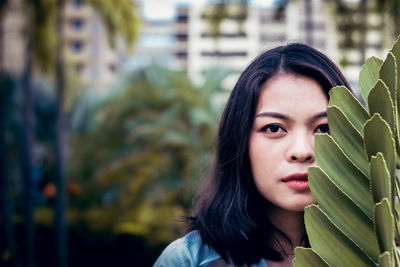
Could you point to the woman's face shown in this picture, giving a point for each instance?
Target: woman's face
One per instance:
(291, 110)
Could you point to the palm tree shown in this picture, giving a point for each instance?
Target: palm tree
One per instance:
(34, 27)
(27, 146)
(5, 203)
(120, 19)
(3, 5)
(27, 142)
(6, 86)
(61, 143)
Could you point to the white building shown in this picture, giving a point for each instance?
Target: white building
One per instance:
(86, 44)
(162, 40)
(13, 46)
(261, 31)
(191, 46)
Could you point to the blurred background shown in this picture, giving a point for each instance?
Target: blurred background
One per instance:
(109, 110)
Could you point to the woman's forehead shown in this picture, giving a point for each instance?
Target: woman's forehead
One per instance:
(291, 93)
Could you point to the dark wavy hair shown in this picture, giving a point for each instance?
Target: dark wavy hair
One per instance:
(230, 214)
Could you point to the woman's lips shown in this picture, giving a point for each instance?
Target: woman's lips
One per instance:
(297, 181)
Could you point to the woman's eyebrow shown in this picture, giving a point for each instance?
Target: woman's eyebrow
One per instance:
(318, 116)
(321, 115)
(277, 115)
(273, 115)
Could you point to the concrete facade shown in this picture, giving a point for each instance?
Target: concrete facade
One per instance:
(86, 45)
(262, 31)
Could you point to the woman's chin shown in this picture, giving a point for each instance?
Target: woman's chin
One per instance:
(301, 206)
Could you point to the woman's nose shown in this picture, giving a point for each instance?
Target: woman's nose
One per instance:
(301, 149)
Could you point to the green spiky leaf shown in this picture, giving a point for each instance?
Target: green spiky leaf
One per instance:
(330, 242)
(348, 138)
(384, 225)
(378, 138)
(379, 101)
(396, 52)
(380, 178)
(388, 74)
(369, 74)
(341, 97)
(331, 159)
(343, 211)
(385, 260)
(354, 184)
(307, 257)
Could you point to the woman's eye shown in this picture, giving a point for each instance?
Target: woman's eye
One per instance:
(272, 128)
(323, 128)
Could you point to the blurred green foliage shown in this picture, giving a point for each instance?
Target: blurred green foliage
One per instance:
(139, 154)
(120, 17)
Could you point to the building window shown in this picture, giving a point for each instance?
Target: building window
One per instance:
(181, 54)
(182, 37)
(224, 54)
(183, 15)
(79, 67)
(77, 3)
(273, 18)
(316, 26)
(77, 23)
(112, 67)
(236, 17)
(225, 35)
(182, 19)
(273, 38)
(76, 46)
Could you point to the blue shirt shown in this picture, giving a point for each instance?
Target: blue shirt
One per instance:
(190, 251)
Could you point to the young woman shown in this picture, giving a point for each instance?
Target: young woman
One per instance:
(251, 212)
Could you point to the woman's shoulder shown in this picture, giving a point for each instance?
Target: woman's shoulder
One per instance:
(188, 250)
